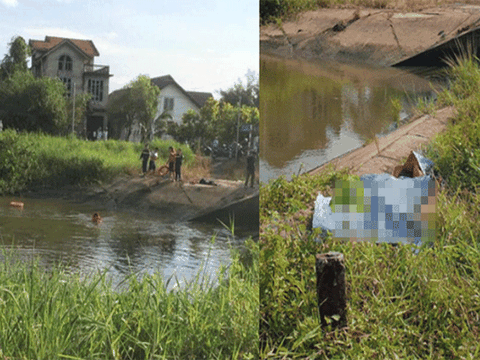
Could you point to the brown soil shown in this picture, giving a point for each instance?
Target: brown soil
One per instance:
(174, 201)
(370, 36)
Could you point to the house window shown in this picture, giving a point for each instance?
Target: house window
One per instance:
(65, 63)
(95, 87)
(168, 104)
(68, 85)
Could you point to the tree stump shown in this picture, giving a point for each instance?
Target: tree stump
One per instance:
(332, 303)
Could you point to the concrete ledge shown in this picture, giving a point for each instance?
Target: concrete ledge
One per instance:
(393, 147)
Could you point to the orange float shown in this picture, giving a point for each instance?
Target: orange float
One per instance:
(17, 204)
(163, 170)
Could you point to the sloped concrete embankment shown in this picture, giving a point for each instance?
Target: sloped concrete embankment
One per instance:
(245, 212)
(172, 201)
(370, 36)
(393, 147)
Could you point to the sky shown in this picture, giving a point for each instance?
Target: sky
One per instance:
(205, 45)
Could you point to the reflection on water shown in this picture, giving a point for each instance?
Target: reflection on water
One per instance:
(56, 231)
(312, 113)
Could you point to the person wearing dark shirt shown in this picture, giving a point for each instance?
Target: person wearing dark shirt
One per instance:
(250, 168)
(145, 155)
(171, 162)
(178, 165)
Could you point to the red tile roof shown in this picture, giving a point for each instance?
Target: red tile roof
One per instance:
(50, 42)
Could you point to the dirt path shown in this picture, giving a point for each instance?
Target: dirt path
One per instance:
(393, 147)
(370, 36)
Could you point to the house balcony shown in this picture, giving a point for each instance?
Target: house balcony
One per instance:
(95, 70)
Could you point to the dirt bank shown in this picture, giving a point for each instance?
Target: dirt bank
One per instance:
(172, 201)
(370, 36)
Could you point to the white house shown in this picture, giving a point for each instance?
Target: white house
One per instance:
(173, 99)
(72, 61)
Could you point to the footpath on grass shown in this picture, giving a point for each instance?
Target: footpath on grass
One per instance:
(393, 147)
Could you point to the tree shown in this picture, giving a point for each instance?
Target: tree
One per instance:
(80, 102)
(248, 94)
(216, 120)
(32, 104)
(160, 123)
(16, 59)
(120, 116)
(136, 102)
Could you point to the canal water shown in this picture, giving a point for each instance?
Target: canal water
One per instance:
(60, 232)
(312, 113)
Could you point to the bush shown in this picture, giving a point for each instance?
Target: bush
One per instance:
(30, 160)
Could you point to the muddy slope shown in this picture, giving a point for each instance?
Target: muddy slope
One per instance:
(172, 201)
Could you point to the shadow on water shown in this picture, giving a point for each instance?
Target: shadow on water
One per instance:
(314, 112)
(59, 232)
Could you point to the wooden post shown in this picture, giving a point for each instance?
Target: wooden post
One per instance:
(332, 303)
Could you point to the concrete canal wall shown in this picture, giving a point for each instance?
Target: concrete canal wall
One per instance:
(374, 36)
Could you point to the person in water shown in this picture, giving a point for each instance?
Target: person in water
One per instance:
(96, 218)
(178, 165)
(145, 155)
(171, 162)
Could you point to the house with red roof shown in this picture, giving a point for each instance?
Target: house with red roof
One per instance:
(72, 61)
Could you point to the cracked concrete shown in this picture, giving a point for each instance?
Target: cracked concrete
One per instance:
(396, 38)
(379, 37)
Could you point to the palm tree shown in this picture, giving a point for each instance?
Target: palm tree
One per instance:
(157, 126)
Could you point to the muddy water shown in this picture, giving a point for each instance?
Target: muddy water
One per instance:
(314, 112)
(56, 231)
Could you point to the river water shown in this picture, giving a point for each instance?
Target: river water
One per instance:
(313, 112)
(61, 232)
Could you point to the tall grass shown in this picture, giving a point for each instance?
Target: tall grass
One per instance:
(37, 160)
(456, 152)
(401, 303)
(55, 315)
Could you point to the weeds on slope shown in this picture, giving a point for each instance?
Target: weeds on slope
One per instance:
(401, 303)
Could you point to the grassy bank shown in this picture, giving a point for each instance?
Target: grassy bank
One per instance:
(55, 315)
(36, 160)
(400, 305)
(279, 9)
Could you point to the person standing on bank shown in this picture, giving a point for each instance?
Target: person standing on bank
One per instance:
(250, 168)
(153, 157)
(171, 162)
(178, 165)
(145, 156)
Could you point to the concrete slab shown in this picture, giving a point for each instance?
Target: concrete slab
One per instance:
(393, 147)
(373, 36)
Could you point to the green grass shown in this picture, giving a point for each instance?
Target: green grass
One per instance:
(400, 305)
(36, 160)
(456, 152)
(56, 315)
